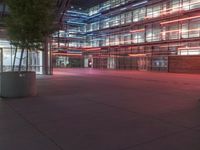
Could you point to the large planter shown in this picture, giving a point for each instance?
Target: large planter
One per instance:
(18, 84)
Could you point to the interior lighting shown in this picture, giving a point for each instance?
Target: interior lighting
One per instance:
(93, 49)
(137, 4)
(139, 30)
(178, 8)
(171, 45)
(184, 5)
(137, 55)
(72, 22)
(177, 20)
(188, 48)
(95, 15)
(66, 54)
(123, 8)
(171, 31)
(76, 12)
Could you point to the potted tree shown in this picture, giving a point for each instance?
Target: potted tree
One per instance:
(29, 23)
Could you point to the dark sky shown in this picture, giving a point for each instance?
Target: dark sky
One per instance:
(86, 3)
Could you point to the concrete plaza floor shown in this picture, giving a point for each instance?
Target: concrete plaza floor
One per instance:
(85, 109)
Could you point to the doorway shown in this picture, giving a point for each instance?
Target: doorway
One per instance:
(143, 63)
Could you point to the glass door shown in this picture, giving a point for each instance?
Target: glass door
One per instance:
(143, 63)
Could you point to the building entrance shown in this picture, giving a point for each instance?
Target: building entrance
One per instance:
(143, 63)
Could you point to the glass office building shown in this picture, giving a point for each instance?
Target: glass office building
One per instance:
(154, 35)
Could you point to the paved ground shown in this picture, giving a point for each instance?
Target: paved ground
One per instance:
(82, 109)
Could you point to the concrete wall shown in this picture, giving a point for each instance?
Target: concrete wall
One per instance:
(184, 64)
(14, 84)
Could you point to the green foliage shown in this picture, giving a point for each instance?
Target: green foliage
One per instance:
(30, 22)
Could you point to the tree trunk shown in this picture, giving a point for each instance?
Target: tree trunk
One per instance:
(46, 56)
(21, 58)
(27, 60)
(13, 67)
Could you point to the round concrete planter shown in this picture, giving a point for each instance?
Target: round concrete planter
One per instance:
(18, 84)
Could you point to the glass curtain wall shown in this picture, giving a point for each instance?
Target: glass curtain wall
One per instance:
(35, 58)
(141, 34)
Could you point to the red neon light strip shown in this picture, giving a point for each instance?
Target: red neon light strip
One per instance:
(93, 49)
(183, 6)
(139, 30)
(188, 48)
(169, 46)
(170, 10)
(67, 54)
(137, 55)
(180, 31)
(183, 19)
(171, 31)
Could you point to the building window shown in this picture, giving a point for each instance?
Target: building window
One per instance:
(153, 33)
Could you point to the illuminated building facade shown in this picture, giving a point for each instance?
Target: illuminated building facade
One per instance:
(39, 61)
(155, 35)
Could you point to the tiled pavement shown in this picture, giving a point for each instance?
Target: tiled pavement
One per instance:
(83, 109)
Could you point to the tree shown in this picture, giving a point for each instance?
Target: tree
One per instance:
(29, 23)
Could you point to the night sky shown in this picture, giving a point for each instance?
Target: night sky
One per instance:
(86, 3)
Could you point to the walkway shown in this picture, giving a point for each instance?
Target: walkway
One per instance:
(85, 109)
